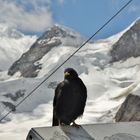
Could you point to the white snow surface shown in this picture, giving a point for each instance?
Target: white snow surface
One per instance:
(12, 45)
(107, 85)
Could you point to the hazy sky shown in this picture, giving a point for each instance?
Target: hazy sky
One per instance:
(84, 16)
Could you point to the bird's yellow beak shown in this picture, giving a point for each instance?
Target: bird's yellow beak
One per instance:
(66, 74)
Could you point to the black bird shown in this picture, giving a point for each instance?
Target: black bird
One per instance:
(69, 100)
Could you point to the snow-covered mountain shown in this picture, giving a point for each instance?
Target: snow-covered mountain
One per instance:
(12, 45)
(28, 65)
(109, 71)
(128, 45)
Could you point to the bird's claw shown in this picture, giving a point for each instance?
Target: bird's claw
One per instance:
(76, 125)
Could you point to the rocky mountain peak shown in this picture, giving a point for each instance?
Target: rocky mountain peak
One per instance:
(62, 34)
(53, 37)
(128, 45)
(57, 31)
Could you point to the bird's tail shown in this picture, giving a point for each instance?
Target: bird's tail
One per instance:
(55, 121)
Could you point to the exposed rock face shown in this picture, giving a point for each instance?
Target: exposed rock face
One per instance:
(129, 110)
(27, 65)
(9, 105)
(15, 96)
(128, 45)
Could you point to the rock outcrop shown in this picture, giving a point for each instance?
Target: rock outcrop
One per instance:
(15, 96)
(12, 99)
(129, 110)
(128, 45)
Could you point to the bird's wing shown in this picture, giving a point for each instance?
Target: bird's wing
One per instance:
(57, 98)
(83, 90)
(58, 94)
(82, 97)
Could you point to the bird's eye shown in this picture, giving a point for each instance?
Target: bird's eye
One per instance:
(66, 73)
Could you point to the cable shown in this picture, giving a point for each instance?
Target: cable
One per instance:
(106, 23)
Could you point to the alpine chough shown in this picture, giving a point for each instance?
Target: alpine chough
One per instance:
(69, 99)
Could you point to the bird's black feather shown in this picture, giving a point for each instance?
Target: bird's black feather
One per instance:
(69, 100)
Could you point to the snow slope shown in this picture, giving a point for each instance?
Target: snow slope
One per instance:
(12, 45)
(107, 84)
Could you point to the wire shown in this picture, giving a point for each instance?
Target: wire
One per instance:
(106, 23)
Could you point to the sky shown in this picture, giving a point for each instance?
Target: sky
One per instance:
(83, 16)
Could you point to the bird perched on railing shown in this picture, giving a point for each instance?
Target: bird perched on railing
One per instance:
(69, 99)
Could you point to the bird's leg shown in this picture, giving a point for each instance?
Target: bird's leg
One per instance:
(75, 125)
(61, 124)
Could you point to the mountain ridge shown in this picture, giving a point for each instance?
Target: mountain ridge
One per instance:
(107, 82)
(53, 37)
(58, 35)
